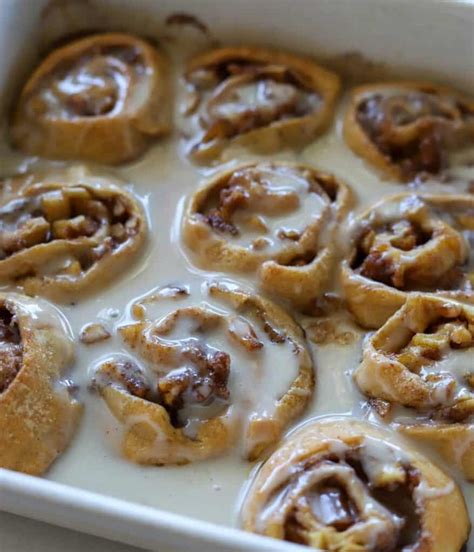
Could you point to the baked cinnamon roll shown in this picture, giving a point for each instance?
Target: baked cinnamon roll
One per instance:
(275, 220)
(102, 98)
(423, 359)
(38, 414)
(256, 98)
(344, 486)
(63, 237)
(408, 243)
(205, 376)
(407, 128)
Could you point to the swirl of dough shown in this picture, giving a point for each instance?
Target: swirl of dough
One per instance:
(407, 128)
(63, 238)
(345, 486)
(409, 243)
(102, 98)
(202, 376)
(422, 358)
(256, 98)
(38, 414)
(274, 220)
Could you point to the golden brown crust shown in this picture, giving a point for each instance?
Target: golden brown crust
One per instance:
(38, 416)
(409, 126)
(292, 257)
(64, 239)
(146, 420)
(109, 122)
(281, 328)
(408, 243)
(296, 106)
(327, 458)
(156, 407)
(454, 442)
(422, 359)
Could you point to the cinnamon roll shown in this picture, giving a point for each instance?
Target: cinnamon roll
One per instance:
(64, 234)
(423, 359)
(408, 243)
(344, 486)
(102, 98)
(38, 414)
(256, 98)
(274, 220)
(205, 376)
(407, 128)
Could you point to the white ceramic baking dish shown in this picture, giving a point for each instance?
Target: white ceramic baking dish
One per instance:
(434, 35)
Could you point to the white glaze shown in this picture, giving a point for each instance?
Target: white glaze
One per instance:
(308, 207)
(455, 365)
(382, 461)
(257, 379)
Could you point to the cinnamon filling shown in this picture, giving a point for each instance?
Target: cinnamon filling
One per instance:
(252, 201)
(247, 96)
(302, 260)
(413, 129)
(128, 375)
(247, 190)
(330, 507)
(275, 335)
(399, 501)
(90, 86)
(373, 259)
(397, 253)
(65, 214)
(204, 383)
(424, 354)
(11, 348)
(198, 386)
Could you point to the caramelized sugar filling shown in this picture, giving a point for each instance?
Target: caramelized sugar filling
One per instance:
(329, 504)
(399, 501)
(372, 259)
(422, 251)
(203, 384)
(65, 214)
(412, 129)
(11, 348)
(424, 354)
(200, 382)
(245, 96)
(249, 190)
